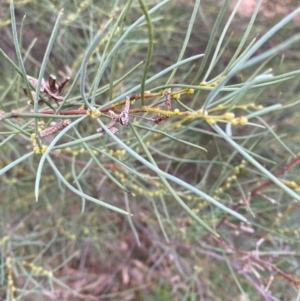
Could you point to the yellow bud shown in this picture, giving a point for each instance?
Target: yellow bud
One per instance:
(229, 116)
(189, 91)
(243, 120)
(44, 148)
(211, 120)
(234, 121)
(205, 113)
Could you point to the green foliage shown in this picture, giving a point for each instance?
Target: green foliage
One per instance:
(161, 164)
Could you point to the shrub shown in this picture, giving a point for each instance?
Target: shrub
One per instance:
(153, 154)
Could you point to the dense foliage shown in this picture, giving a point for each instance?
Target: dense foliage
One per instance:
(149, 150)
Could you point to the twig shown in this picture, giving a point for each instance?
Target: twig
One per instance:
(264, 263)
(279, 172)
(263, 184)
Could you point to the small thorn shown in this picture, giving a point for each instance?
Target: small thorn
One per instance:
(52, 80)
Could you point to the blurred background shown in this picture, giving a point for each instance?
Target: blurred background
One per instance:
(51, 250)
